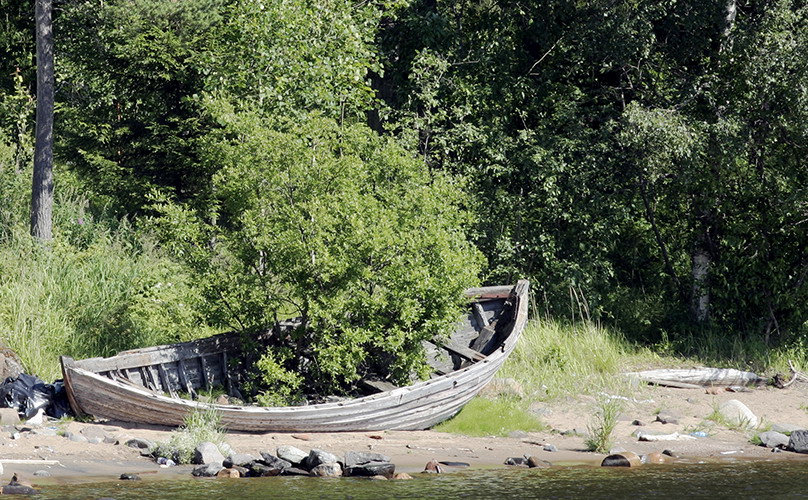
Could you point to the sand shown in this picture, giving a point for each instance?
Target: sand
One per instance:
(411, 450)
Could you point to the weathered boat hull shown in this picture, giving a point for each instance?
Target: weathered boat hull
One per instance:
(108, 390)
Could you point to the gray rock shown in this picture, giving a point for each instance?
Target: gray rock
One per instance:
(76, 438)
(637, 422)
(363, 457)
(207, 453)
(385, 469)
(516, 461)
(616, 450)
(538, 463)
(327, 469)
(18, 489)
(667, 418)
(317, 457)
(129, 477)
(737, 413)
(140, 443)
(42, 473)
(798, 441)
(258, 469)
(238, 459)
(294, 471)
(550, 447)
(44, 431)
(207, 470)
(771, 439)
(787, 428)
(295, 456)
(273, 461)
(96, 435)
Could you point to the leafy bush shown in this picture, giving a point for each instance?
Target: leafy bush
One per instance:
(333, 224)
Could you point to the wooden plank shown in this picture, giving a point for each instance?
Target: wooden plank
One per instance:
(205, 374)
(227, 378)
(184, 379)
(166, 383)
(145, 375)
(377, 385)
(479, 315)
(485, 340)
(464, 352)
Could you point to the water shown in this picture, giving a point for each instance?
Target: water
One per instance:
(737, 481)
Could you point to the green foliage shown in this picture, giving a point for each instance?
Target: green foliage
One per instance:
(338, 226)
(199, 426)
(491, 417)
(99, 288)
(601, 428)
(555, 359)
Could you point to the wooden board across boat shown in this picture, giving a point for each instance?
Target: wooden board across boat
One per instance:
(143, 385)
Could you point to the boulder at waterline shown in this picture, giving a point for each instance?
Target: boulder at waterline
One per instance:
(207, 470)
(385, 469)
(433, 467)
(537, 463)
(258, 469)
(798, 441)
(622, 459)
(317, 457)
(273, 461)
(331, 469)
(241, 459)
(228, 473)
(362, 457)
(207, 453)
(293, 455)
(771, 439)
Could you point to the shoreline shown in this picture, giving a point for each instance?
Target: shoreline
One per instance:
(84, 462)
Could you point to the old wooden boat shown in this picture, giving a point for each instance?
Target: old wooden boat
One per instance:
(144, 385)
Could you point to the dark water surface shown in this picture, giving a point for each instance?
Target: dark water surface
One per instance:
(741, 480)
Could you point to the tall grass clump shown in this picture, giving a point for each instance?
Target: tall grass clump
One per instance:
(491, 417)
(99, 287)
(554, 359)
(200, 425)
(601, 428)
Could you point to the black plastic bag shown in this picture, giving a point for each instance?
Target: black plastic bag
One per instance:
(28, 394)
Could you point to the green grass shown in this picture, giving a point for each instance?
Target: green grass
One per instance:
(202, 425)
(555, 359)
(600, 430)
(95, 290)
(491, 417)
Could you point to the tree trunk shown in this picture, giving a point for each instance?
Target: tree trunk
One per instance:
(42, 186)
(701, 261)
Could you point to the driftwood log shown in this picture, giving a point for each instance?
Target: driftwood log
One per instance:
(697, 377)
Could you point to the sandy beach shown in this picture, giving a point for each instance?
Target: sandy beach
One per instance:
(52, 458)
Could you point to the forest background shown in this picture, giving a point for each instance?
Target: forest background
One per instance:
(220, 164)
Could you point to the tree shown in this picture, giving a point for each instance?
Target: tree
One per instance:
(42, 188)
